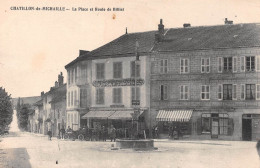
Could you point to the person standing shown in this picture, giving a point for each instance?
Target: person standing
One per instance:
(49, 134)
(113, 134)
(62, 131)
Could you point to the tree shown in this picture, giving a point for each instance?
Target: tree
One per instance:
(23, 111)
(6, 110)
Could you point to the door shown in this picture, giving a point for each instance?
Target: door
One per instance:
(247, 129)
(214, 128)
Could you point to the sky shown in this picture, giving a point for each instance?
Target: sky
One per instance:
(36, 45)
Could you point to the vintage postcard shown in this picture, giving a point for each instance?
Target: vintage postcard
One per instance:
(129, 83)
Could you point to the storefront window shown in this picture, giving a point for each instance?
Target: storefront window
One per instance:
(216, 124)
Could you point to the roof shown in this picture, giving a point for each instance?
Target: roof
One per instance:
(122, 46)
(211, 37)
(179, 39)
(26, 100)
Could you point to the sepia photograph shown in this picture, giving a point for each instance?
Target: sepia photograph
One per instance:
(129, 84)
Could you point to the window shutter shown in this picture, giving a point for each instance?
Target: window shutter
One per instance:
(242, 91)
(234, 64)
(234, 92)
(257, 63)
(230, 126)
(199, 130)
(219, 64)
(242, 64)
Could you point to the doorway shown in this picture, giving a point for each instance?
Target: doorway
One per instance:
(246, 129)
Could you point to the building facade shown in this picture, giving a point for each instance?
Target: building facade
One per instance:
(78, 91)
(205, 82)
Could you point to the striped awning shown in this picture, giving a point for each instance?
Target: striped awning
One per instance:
(98, 114)
(174, 115)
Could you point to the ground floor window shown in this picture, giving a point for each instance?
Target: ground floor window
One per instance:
(167, 127)
(215, 124)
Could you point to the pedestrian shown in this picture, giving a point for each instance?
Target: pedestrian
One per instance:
(170, 132)
(156, 132)
(49, 134)
(103, 133)
(113, 134)
(62, 131)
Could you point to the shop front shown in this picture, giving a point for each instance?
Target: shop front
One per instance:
(121, 120)
(174, 123)
(250, 127)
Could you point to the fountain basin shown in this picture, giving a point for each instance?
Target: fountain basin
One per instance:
(135, 144)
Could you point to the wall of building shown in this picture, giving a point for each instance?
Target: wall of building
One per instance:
(126, 74)
(195, 79)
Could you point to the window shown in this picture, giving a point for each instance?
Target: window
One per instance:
(205, 65)
(163, 92)
(227, 64)
(76, 76)
(68, 99)
(83, 98)
(257, 92)
(217, 123)
(75, 98)
(83, 73)
(137, 92)
(163, 66)
(100, 96)
(234, 96)
(117, 95)
(133, 68)
(184, 92)
(223, 124)
(220, 92)
(219, 64)
(205, 92)
(68, 74)
(227, 92)
(71, 103)
(242, 64)
(234, 64)
(71, 76)
(242, 92)
(205, 119)
(184, 65)
(100, 70)
(117, 69)
(250, 92)
(250, 63)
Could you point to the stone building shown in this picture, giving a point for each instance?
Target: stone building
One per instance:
(78, 90)
(205, 82)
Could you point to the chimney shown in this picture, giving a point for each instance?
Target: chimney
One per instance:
(159, 35)
(228, 22)
(126, 30)
(42, 93)
(186, 25)
(161, 27)
(56, 84)
(82, 52)
(60, 79)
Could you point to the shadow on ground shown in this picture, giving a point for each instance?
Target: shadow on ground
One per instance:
(14, 158)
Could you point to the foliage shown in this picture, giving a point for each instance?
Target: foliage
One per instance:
(6, 110)
(23, 111)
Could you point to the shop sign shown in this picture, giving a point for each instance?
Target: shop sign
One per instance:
(118, 82)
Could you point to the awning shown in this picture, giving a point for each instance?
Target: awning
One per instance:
(98, 114)
(118, 115)
(174, 115)
(124, 115)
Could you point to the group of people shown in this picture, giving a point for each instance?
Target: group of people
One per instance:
(95, 134)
